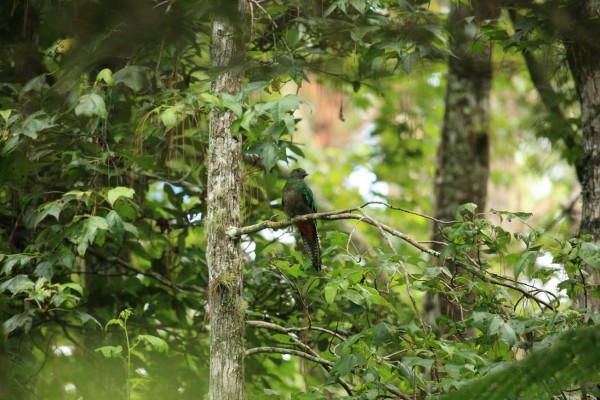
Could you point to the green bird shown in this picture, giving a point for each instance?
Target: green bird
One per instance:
(298, 199)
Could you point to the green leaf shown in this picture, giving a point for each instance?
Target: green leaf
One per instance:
(287, 104)
(426, 363)
(87, 234)
(115, 224)
(381, 334)
(17, 284)
(114, 322)
(53, 208)
(91, 105)
(330, 291)
(71, 285)
(117, 192)
(110, 351)
(346, 364)
(134, 77)
(127, 210)
(268, 152)
(467, 208)
(5, 114)
(44, 269)
(23, 320)
(590, 254)
(255, 86)
(526, 260)
(355, 298)
(409, 62)
(247, 119)
(507, 334)
(169, 117)
(231, 103)
(85, 318)
(106, 76)
(14, 260)
(157, 343)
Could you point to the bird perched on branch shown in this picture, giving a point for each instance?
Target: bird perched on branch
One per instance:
(298, 199)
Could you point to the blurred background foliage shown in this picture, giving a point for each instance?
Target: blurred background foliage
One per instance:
(103, 113)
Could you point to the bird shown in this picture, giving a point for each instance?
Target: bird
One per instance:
(298, 199)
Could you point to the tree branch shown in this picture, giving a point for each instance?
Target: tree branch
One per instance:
(282, 329)
(298, 353)
(348, 214)
(149, 274)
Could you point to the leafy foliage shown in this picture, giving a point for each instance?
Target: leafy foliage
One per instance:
(104, 111)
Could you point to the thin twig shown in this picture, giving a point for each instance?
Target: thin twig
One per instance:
(298, 353)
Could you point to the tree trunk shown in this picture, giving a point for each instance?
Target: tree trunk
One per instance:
(463, 155)
(583, 55)
(226, 300)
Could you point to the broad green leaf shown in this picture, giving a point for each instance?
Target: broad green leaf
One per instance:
(231, 103)
(110, 351)
(91, 105)
(381, 334)
(71, 285)
(347, 363)
(247, 119)
(467, 208)
(127, 210)
(330, 291)
(87, 234)
(157, 343)
(23, 320)
(409, 62)
(105, 76)
(526, 260)
(45, 269)
(131, 229)
(117, 192)
(53, 208)
(355, 298)
(426, 363)
(85, 318)
(17, 284)
(114, 322)
(5, 114)
(115, 224)
(14, 260)
(134, 77)
(495, 324)
(507, 334)
(268, 152)
(169, 117)
(590, 254)
(287, 104)
(255, 86)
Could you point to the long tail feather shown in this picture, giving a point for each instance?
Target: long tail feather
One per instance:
(312, 242)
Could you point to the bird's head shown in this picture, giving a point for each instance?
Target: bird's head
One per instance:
(298, 173)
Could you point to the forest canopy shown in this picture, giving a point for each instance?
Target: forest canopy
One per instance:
(450, 184)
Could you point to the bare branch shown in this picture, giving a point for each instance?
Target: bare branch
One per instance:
(149, 274)
(298, 353)
(279, 328)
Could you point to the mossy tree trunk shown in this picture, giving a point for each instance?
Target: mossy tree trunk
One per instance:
(224, 190)
(463, 155)
(583, 55)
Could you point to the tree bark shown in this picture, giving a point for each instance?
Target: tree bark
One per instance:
(583, 56)
(463, 155)
(223, 254)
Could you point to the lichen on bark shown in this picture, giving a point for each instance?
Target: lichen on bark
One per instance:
(223, 210)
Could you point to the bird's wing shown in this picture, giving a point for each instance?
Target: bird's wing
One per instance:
(310, 199)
